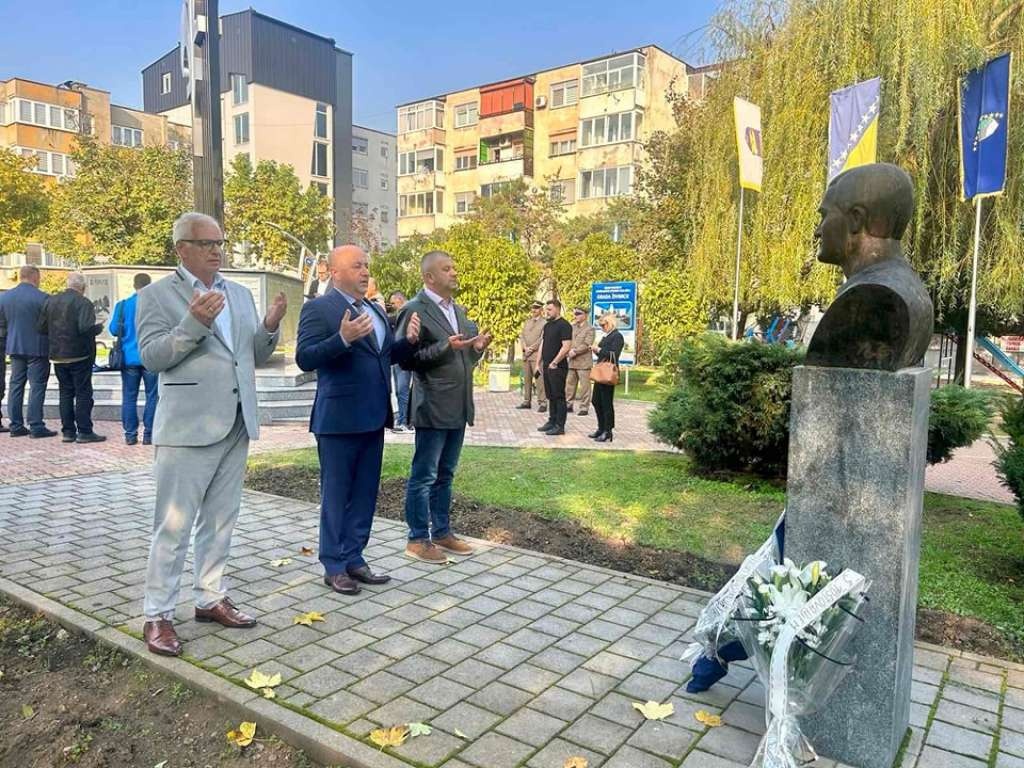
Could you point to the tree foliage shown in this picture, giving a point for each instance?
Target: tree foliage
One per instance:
(398, 268)
(595, 259)
(787, 57)
(524, 214)
(120, 204)
(24, 203)
(270, 193)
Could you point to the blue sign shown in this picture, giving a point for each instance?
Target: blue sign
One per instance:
(618, 299)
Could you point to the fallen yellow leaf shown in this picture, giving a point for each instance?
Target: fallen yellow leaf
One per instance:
(308, 618)
(282, 561)
(703, 716)
(268, 693)
(307, 551)
(575, 762)
(244, 735)
(390, 737)
(419, 729)
(259, 679)
(461, 735)
(652, 710)
(27, 712)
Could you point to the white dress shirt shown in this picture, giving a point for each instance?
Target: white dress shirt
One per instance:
(447, 306)
(379, 323)
(222, 320)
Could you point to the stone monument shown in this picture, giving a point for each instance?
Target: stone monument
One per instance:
(858, 439)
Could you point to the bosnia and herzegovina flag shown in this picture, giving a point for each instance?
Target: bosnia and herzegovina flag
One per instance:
(984, 120)
(853, 126)
(748, 143)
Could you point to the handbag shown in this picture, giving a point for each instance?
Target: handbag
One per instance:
(606, 372)
(115, 360)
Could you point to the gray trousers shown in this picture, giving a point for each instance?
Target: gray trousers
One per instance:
(201, 487)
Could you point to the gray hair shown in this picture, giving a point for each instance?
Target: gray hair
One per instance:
(429, 259)
(76, 281)
(185, 225)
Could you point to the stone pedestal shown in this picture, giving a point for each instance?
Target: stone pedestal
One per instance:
(858, 442)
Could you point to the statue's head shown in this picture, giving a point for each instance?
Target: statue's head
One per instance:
(867, 203)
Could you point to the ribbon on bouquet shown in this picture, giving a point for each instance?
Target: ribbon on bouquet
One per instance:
(783, 737)
(720, 608)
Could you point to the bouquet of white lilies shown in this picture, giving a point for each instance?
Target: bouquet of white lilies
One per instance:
(795, 624)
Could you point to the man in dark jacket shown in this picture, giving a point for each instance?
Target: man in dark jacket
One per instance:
(442, 406)
(19, 318)
(69, 320)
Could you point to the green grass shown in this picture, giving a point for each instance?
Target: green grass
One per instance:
(645, 382)
(972, 553)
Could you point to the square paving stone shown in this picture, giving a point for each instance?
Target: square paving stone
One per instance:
(1003, 760)
(589, 683)
(967, 717)
(450, 650)
(505, 622)
(605, 630)
(295, 636)
(346, 641)
(479, 635)
(1013, 718)
(938, 758)
(500, 698)
(669, 741)
(629, 757)
(418, 668)
(322, 682)
(402, 710)
(467, 718)
(554, 626)
(582, 645)
(341, 707)
(731, 743)
(557, 660)
(362, 663)
(429, 750)
(562, 703)
(972, 697)
(503, 655)
(618, 709)
(1011, 742)
(531, 727)
(440, 692)
(398, 646)
(700, 759)
(672, 670)
(580, 614)
(633, 648)
(381, 687)
(652, 633)
(493, 750)
(953, 738)
(255, 653)
(611, 664)
(308, 657)
(557, 752)
(206, 647)
(596, 733)
(745, 716)
(430, 631)
(623, 615)
(596, 601)
(531, 678)
(530, 640)
(474, 673)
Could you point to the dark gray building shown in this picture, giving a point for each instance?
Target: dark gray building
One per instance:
(286, 95)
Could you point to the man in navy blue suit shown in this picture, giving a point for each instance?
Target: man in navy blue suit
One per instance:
(348, 341)
(28, 348)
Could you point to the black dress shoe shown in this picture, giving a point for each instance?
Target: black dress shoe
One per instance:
(147, 440)
(605, 438)
(133, 440)
(545, 427)
(44, 432)
(524, 407)
(68, 437)
(543, 408)
(366, 576)
(555, 431)
(3, 428)
(90, 437)
(343, 583)
(568, 408)
(19, 432)
(595, 435)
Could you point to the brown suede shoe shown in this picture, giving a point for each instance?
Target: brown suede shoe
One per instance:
(226, 614)
(451, 543)
(425, 551)
(342, 583)
(161, 638)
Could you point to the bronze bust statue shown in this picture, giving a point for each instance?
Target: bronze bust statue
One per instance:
(882, 316)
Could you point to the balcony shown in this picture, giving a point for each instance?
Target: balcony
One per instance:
(504, 170)
(515, 121)
(422, 181)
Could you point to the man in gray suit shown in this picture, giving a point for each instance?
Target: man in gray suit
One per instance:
(442, 405)
(203, 335)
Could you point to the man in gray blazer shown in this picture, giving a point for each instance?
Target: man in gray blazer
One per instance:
(442, 405)
(203, 336)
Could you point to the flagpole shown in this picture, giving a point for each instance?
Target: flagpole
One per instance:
(736, 289)
(974, 296)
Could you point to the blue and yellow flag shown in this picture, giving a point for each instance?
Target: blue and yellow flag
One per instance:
(984, 128)
(853, 126)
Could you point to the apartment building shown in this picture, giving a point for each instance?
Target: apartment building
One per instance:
(43, 121)
(286, 95)
(374, 195)
(576, 130)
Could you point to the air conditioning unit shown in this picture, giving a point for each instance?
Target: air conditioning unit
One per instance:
(505, 143)
(540, 102)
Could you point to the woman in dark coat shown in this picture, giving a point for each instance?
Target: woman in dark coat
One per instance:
(609, 348)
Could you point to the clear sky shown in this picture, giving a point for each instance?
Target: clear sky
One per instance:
(403, 50)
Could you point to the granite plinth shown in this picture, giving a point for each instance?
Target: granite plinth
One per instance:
(858, 442)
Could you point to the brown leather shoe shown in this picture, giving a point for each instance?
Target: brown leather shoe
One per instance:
(226, 614)
(366, 576)
(161, 638)
(425, 551)
(343, 583)
(451, 543)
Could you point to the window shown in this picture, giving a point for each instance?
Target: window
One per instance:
(50, 163)
(165, 82)
(321, 187)
(384, 214)
(465, 114)
(418, 204)
(57, 164)
(464, 202)
(242, 128)
(563, 191)
(126, 137)
(614, 74)
(416, 117)
(465, 161)
(607, 129)
(320, 125)
(239, 89)
(319, 166)
(563, 145)
(422, 161)
(564, 94)
(45, 115)
(384, 150)
(383, 181)
(3, 113)
(606, 182)
(360, 145)
(496, 188)
(360, 178)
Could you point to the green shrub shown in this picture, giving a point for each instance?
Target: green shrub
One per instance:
(957, 417)
(1009, 461)
(730, 408)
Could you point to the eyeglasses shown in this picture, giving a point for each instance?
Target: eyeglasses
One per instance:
(207, 244)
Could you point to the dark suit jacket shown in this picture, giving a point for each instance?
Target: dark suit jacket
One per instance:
(19, 319)
(312, 292)
(610, 347)
(353, 386)
(442, 384)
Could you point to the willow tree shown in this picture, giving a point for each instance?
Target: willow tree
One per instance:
(787, 57)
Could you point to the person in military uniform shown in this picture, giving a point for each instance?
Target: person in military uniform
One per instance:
(529, 339)
(580, 363)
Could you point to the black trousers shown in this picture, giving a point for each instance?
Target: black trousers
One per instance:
(603, 400)
(75, 380)
(554, 385)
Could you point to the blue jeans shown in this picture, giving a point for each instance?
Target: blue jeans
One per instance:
(35, 370)
(428, 494)
(403, 380)
(131, 377)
